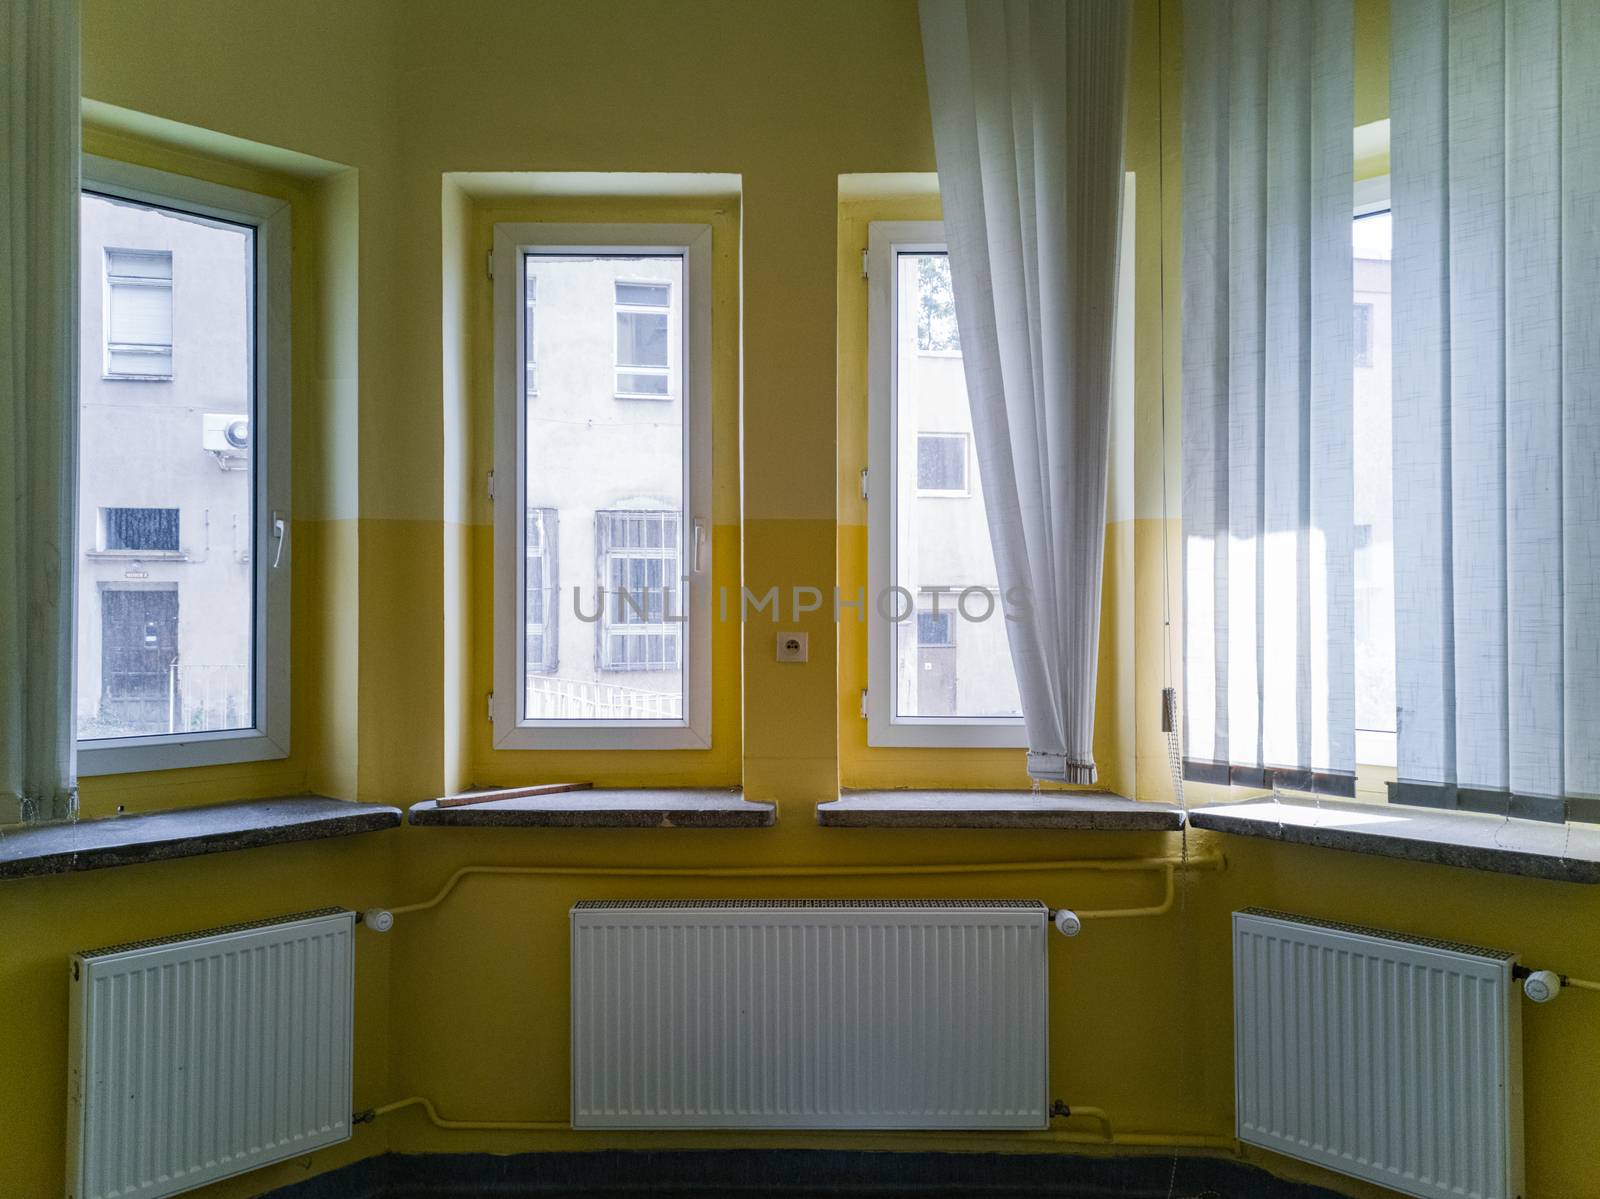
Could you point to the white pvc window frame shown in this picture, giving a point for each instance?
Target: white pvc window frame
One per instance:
(512, 242)
(886, 241)
(268, 735)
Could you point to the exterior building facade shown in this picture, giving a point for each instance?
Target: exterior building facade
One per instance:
(952, 654)
(165, 592)
(605, 566)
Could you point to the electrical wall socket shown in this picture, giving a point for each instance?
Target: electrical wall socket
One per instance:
(793, 647)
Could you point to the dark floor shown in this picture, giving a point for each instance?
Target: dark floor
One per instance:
(795, 1174)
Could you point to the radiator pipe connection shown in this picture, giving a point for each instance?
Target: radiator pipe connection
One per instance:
(1060, 1110)
(1542, 986)
(1169, 866)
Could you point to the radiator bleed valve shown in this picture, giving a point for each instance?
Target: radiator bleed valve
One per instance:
(1067, 922)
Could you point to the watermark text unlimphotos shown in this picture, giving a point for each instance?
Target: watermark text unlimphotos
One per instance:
(894, 604)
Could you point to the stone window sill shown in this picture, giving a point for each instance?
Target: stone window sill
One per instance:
(664, 807)
(1530, 848)
(1081, 811)
(34, 850)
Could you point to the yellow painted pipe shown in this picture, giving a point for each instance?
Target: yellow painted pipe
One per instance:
(1109, 865)
(1161, 909)
(480, 1125)
(1107, 1137)
(1098, 1114)
(1581, 983)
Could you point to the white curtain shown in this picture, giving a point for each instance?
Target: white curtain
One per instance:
(1495, 165)
(38, 404)
(1269, 635)
(1028, 100)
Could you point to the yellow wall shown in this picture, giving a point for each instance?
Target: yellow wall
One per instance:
(379, 107)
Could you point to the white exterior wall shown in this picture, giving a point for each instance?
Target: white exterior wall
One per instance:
(589, 450)
(141, 447)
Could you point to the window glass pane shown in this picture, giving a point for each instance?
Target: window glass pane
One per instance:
(649, 294)
(531, 335)
(609, 473)
(543, 611)
(165, 642)
(934, 628)
(141, 529)
(942, 462)
(936, 305)
(957, 663)
(138, 313)
(1374, 494)
(641, 383)
(641, 338)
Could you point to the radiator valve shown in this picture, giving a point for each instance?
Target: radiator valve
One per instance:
(1541, 986)
(1067, 922)
(379, 920)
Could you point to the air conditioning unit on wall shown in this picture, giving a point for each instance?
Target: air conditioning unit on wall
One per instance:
(226, 436)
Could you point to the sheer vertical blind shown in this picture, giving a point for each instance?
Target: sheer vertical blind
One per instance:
(1267, 384)
(1495, 167)
(1028, 101)
(38, 404)
(1495, 195)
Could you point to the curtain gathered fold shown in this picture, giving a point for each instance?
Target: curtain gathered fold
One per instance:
(38, 405)
(1268, 480)
(1495, 164)
(1028, 100)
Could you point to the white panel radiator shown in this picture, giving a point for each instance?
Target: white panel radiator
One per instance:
(1389, 1058)
(809, 1014)
(198, 1057)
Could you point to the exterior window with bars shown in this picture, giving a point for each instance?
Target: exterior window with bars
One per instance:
(150, 529)
(543, 608)
(640, 570)
(138, 314)
(643, 357)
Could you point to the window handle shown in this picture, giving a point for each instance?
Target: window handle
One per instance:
(280, 534)
(699, 547)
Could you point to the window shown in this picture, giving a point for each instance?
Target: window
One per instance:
(543, 605)
(1363, 334)
(602, 636)
(154, 529)
(182, 578)
(1371, 237)
(644, 310)
(640, 559)
(937, 684)
(138, 313)
(942, 464)
(531, 341)
(939, 669)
